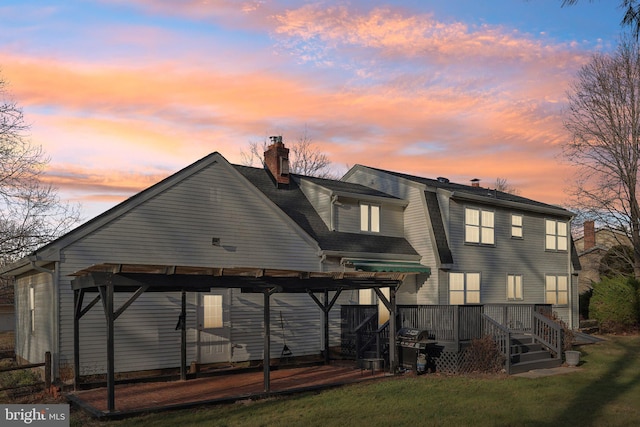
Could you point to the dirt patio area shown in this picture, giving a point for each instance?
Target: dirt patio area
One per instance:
(132, 399)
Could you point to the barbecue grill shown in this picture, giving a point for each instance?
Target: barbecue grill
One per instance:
(412, 348)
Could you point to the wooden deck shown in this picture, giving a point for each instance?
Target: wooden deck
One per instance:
(134, 399)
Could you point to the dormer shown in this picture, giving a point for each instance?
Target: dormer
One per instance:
(353, 208)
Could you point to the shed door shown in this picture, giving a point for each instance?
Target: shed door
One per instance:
(213, 326)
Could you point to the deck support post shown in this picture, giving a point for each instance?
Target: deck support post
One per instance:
(267, 339)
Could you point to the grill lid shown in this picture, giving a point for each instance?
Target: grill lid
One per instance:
(412, 334)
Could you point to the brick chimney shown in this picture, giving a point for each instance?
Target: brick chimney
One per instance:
(475, 182)
(276, 160)
(589, 234)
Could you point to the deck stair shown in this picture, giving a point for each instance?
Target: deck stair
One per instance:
(527, 355)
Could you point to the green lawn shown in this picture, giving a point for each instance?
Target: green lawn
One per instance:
(604, 392)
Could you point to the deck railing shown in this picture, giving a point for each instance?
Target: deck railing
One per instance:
(359, 325)
(452, 324)
(501, 336)
(548, 332)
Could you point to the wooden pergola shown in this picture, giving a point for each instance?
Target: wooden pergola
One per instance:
(107, 279)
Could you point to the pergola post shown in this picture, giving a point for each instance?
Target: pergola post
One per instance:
(393, 364)
(326, 327)
(106, 292)
(267, 341)
(183, 337)
(77, 306)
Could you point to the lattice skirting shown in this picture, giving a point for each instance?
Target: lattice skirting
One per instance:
(448, 359)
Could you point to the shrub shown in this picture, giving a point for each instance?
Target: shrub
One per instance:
(483, 356)
(614, 304)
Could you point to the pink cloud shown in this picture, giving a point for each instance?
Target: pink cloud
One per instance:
(419, 96)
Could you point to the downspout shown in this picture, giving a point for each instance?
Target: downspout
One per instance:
(334, 200)
(54, 313)
(571, 281)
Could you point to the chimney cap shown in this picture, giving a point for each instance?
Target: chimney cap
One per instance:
(475, 182)
(276, 139)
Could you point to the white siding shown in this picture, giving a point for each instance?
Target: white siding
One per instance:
(176, 227)
(31, 344)
(301, 326)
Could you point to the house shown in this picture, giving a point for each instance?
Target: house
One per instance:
(234, 254)
(484, 246)
(592, 246)
(7, 315)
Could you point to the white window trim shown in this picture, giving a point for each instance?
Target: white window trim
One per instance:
(518, 227)
(552, 286)
(370, 217)
(515, 287)
(553, 239)
(481, 227)
(466, 293)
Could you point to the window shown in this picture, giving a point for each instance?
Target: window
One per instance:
(365, 296)
(479, 226)
(212, 311)
(556, 235)
(556, 289)
(464, 288)
(514, 287)
(516, 226)
(32, 308)
(370, 218)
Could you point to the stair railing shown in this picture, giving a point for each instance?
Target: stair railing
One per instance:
(501, 336)
(548, 333)
(365, 334)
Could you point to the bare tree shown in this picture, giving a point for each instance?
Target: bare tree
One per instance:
(631, 17)
(503, 185)
(603, 118)
(306, 158)
(31, 213)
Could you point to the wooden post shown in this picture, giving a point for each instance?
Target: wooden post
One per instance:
(267, 341)
(47, 370)
(77, 304)
(393, 364)
(456, 326)
(111, 395)
(326, 326)
(183, 337)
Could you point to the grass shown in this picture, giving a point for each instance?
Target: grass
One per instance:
(605, 391)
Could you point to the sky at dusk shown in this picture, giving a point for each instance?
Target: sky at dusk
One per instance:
(122, 93)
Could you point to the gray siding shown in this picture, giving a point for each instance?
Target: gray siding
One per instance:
(526, 256)
(300, 328)
(417, 228)
(175, 228)
(347, 217)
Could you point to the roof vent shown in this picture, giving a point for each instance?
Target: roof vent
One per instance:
(443, 179)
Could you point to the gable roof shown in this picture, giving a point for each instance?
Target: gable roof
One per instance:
(480, 194)
(295, 204)
(51, 251)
